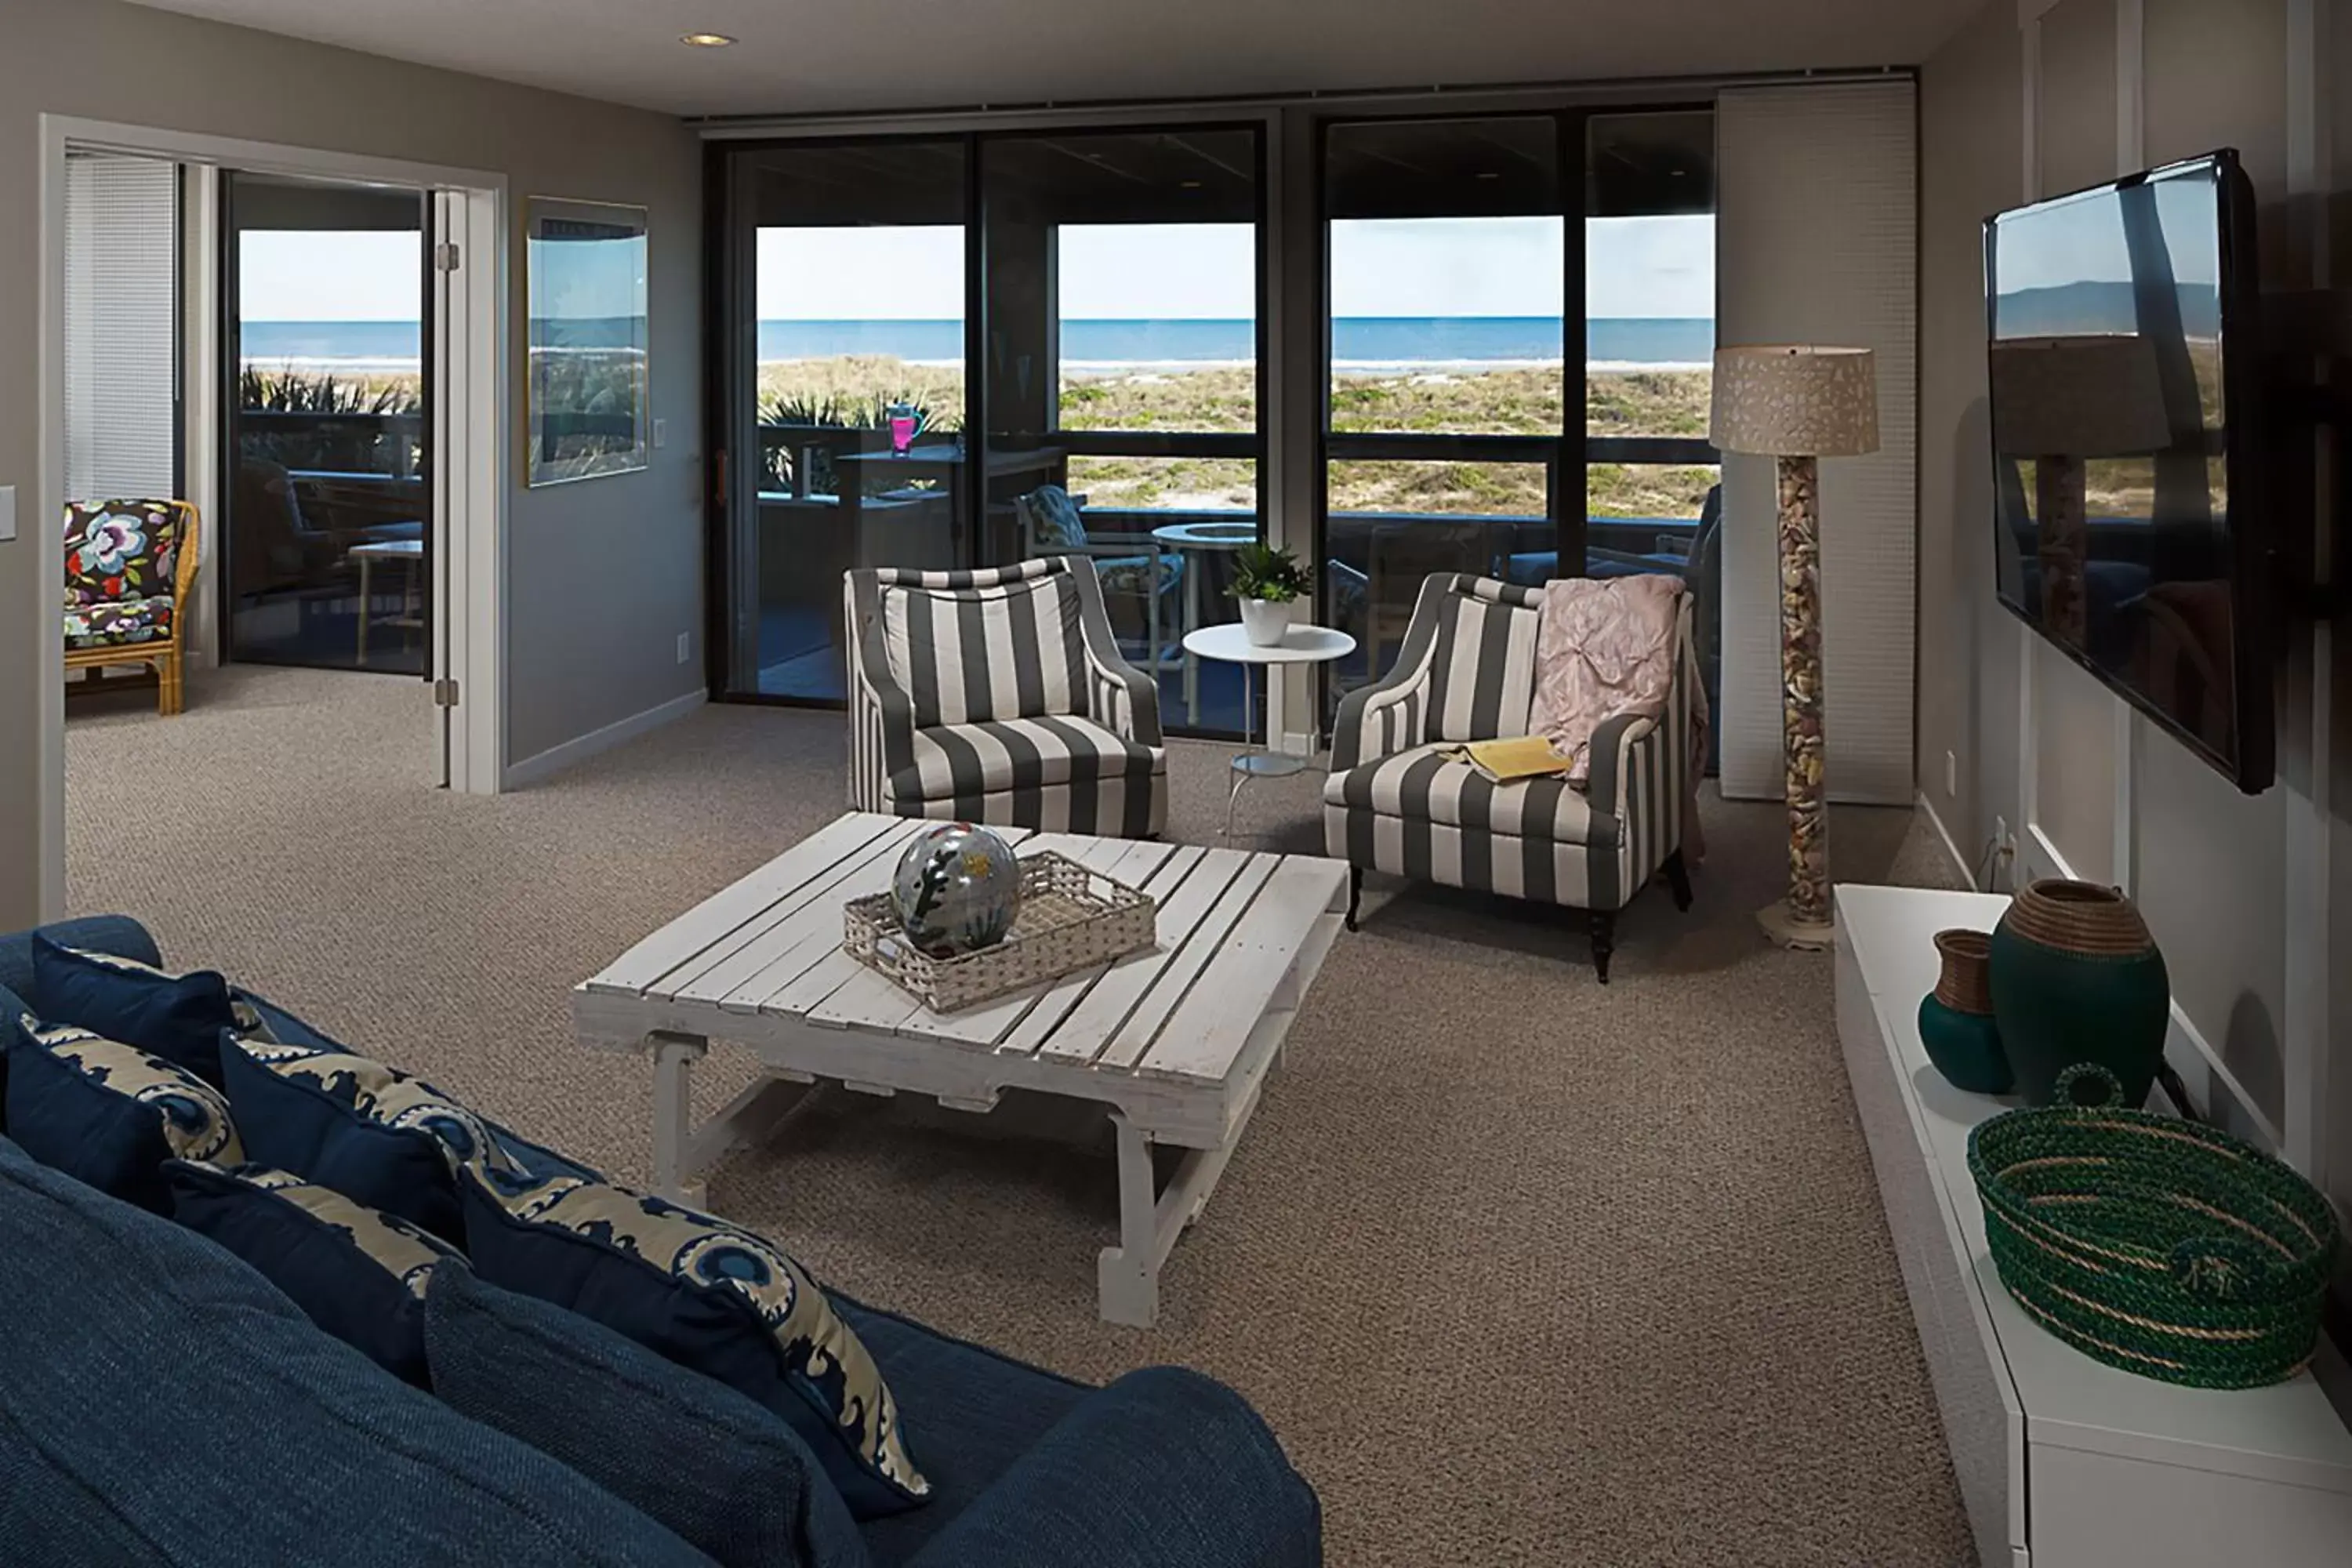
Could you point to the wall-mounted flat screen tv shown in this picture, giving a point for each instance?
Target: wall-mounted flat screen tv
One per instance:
(2134, 531)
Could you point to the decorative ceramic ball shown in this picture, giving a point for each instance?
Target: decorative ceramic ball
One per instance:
(957, 890)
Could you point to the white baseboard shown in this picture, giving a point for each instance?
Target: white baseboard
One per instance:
(1951, 847)
(1296, 745)
(555, 759)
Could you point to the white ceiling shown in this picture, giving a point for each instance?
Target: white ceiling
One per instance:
(799, 55)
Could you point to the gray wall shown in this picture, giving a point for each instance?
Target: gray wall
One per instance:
(2211, 868)
(604, 575)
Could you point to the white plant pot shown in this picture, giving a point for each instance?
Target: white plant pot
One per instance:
(1267, 623)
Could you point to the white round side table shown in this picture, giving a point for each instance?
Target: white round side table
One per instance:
(1230, 644)
(1200, 540)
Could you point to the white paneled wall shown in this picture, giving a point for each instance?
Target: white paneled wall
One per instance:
(121, 317)
(1818, 242)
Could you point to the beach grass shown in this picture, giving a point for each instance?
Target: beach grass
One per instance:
(1511, 400)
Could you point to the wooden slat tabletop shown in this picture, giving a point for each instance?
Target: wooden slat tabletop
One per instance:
(1232, 925)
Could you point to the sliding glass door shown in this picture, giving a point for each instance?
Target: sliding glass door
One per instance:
(1123, 272)
(1088, 303)
(326, 532)
(845, 393)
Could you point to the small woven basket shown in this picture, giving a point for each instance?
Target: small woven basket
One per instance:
(1071, 919)
(2163, 1247)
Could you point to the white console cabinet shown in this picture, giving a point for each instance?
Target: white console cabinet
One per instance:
(2063, 1462)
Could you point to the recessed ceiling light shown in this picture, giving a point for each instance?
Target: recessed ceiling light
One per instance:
(1488, 174)
(1190, 185)
(706, 40)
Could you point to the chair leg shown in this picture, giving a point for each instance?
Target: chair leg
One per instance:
(1678, 878)
(1355, 893)
(167, 686)
(1604, 941)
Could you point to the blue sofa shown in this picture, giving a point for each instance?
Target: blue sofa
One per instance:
(161, 1403)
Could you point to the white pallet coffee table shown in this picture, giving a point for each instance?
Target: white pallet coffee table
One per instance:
(1175, 1042)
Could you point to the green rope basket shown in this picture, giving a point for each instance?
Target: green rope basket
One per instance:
(2163, 1247)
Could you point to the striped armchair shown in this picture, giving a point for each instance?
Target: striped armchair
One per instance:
(1001, 697)
(1467, 672)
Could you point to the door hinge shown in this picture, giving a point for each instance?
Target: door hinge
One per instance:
(444, 693)
(444, 257)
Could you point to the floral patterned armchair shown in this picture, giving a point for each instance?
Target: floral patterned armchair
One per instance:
(131, 566)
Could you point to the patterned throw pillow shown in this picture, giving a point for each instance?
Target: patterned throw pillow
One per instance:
(378, 1136)
(707, 1296)
(118, 550)
(176, 1016)
(110, 1114)
(360, 1274)
(1060, 524)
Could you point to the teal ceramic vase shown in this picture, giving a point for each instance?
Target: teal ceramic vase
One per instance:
(1956, 1019)
(2077, 978)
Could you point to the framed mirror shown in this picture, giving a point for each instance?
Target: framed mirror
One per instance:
(587, 399)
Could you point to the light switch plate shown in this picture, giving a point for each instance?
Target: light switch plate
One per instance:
(7, 513)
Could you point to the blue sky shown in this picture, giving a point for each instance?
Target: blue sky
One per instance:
(1454, 267)
(2084, 239)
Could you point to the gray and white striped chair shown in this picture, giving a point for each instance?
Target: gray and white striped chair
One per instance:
(1467, 672)
(1001, 697)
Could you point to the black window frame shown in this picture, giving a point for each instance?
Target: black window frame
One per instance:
(1569, 456)
(727, 374)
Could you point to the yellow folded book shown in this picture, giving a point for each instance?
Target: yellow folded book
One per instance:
(1511, 761)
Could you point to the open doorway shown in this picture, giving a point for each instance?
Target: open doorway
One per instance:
(388, 432)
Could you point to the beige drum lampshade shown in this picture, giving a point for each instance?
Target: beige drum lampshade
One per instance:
(1796, 401)
(2093, 396)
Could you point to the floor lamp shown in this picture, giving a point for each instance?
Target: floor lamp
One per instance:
(1799, 404)
(2057, 402)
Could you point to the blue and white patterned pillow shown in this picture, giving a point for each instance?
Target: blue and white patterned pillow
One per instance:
(110, 1114)
(707, 1295)
(1060, 524)
(350, 1123)
(360, 1274)
(177, 1016)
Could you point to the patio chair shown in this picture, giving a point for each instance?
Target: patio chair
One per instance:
(131, 566)
(1053, 523)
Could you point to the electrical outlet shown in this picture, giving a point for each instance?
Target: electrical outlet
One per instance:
(1951, 773)
(661, 434)
(685, 646)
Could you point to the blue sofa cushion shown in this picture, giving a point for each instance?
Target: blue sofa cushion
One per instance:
(1164, 1468)
(178, 1017)
(728, 1476)
(109, 1114)
(376, 1135)
(359, 1273)
(708, 1296)
(305, 1450)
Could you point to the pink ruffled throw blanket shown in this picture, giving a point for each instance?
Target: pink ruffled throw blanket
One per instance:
(1604, 648)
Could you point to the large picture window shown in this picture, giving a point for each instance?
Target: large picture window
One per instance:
(955, 352)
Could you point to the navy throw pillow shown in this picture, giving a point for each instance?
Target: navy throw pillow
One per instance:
(728, 1477)
(360, 1274)
(381, 1138)
(178, 1017)
(708, 1296)
(109, 1114)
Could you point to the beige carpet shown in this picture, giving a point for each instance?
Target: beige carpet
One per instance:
(1522, 1270)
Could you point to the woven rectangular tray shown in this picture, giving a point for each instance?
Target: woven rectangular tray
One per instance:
(1071, 919)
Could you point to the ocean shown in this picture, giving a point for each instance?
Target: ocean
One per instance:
(1357, 342)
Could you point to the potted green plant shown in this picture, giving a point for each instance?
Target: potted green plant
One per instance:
(1269, 583)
